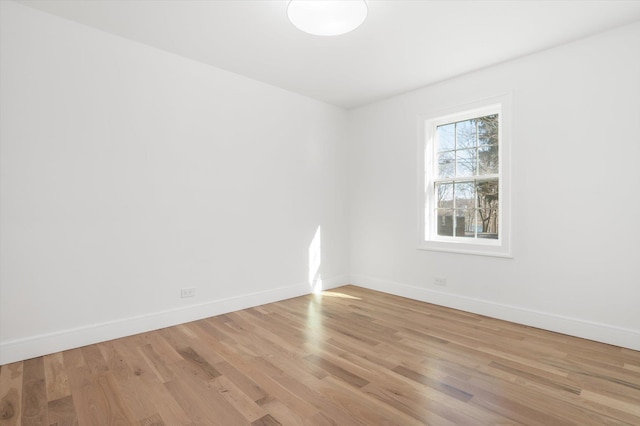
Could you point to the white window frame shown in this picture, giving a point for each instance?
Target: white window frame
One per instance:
(428, 238)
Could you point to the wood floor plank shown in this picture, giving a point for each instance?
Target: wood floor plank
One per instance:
(209, 395)
(305, 386)
(94, 359)
(62, 412)
(279, 413)
(284, 394)
(417, 405)
(143, 392)
(34, 393)
(337, 371)
(56, 377)
(349, 356)
(242, 402)
(168, 408)
(11, 394)
(266, 420)
(130, 385)
(242, 381)
(96, 399)
(155, 420)
(191, 403)
(73, 358)
(157, 363)
(361, 405)
(434, 384)
(398, 388)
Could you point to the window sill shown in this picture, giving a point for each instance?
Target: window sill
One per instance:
(477, 249)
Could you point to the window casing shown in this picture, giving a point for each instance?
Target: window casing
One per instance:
(465, 184)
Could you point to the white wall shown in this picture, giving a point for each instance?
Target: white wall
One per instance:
(576, 198)
(128, 173)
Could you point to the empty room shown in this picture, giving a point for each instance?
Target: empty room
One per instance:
(317, 212)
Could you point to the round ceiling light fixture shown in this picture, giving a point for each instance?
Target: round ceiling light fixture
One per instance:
(327, 17)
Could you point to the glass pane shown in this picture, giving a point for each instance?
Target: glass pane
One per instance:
(446, 162)
(466, 162)
(488, 204)
(465, 195)
(466, 134)
(488, 223)
(487, 191)
(446, 139)
(444, 194)
(488, 130)
(444, 223)
(488, 160)
(466, 223)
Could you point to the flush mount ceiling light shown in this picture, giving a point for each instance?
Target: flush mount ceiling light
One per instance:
(327, 17)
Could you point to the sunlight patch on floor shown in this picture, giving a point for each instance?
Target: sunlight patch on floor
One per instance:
(340, 295)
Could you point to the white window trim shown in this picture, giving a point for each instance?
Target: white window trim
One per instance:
(426, 125)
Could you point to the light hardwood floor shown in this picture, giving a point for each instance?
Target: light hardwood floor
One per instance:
(348, 356)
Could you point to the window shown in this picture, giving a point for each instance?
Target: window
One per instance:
(465, 187)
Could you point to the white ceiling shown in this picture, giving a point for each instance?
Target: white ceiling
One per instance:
(401, 46)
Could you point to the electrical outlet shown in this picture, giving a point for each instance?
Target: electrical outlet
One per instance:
(441, 281)
(187, 292)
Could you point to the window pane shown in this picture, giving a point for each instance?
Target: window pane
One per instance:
(465, 222)
(487, 191)
(488, 130)
(465, 134)
(488, 204)
(447, 224)
(465, 195)
(446, 162)
(488, 223)
(488, 160)
(466, 162)
(444, 222)
(444, 194)
(446, 139)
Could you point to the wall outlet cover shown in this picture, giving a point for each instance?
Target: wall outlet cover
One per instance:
(187, 292)
(441, 281)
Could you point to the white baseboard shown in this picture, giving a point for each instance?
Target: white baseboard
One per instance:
(30, 347)
(34, 346)
(624, 337)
